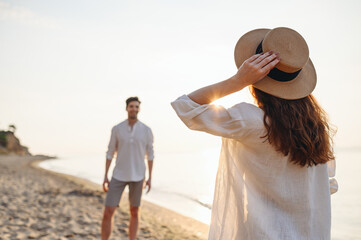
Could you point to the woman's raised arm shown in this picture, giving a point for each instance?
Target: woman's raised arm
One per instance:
(252, 70)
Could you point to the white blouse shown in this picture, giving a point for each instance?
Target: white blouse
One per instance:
(259, 193)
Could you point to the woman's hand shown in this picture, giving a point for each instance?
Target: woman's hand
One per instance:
(256, 67)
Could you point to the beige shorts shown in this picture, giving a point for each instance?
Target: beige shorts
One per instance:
(116, 189)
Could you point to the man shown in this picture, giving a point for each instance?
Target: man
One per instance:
(132, 140)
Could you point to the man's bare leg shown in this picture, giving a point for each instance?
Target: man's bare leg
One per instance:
(134, 220)
(107, 223)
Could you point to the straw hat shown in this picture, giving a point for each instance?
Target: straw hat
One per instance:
(294, 77)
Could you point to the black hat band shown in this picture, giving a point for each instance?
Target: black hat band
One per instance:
(277, 74)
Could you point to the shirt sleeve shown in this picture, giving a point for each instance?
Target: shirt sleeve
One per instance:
(150, 150)
(236, 122)
(112, 146)
(331, 167)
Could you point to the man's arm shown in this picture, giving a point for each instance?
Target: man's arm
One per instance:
(150, 157)
(106, 180)
(149, 181)
(112, 147)
(252, 70)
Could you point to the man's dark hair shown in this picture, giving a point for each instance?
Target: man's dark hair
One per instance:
(131, 99)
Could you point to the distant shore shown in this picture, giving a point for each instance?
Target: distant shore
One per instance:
(39, 204)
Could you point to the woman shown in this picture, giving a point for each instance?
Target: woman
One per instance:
(272, 180)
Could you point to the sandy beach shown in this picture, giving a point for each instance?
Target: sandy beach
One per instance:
(39, 204)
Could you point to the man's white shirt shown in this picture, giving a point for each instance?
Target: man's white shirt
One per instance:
(131, 144)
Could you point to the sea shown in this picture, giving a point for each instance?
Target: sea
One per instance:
(184, 182)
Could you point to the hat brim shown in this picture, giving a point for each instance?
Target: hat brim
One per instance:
(300, 87)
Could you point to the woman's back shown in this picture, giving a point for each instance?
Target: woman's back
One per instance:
(260, 194)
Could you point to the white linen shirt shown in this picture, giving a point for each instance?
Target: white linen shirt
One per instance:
(131, 144)
(259, 193)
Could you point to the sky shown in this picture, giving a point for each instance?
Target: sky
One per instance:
(66, 67)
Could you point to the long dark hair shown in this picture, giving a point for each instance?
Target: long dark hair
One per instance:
(298, 128)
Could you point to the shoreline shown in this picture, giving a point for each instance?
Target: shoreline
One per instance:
(156, 222)
(167, 191)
